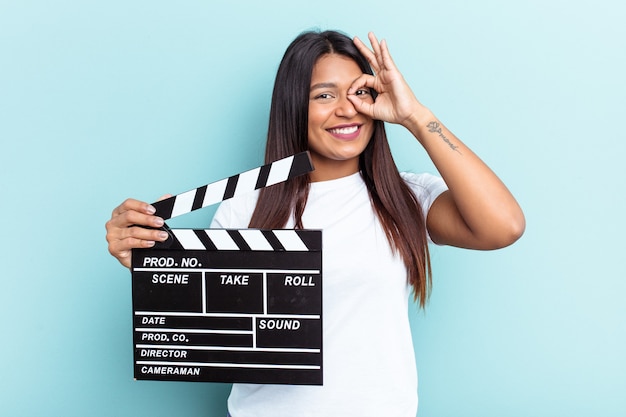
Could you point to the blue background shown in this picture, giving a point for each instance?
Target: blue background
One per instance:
(100, 101)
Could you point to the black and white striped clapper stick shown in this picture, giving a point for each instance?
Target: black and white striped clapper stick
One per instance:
(215, 192)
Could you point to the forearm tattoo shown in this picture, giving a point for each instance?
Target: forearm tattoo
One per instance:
(435, 127)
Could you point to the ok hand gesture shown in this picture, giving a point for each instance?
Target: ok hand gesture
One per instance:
(395, 103)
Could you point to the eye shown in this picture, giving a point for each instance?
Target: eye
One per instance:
(323, 96)
(362, 92)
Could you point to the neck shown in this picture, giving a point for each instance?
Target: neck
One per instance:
(326, 170)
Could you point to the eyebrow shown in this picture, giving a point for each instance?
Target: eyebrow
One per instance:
(323, 85)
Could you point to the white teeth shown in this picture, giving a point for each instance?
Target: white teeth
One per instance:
(345, 130)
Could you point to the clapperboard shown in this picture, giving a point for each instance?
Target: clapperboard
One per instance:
(222, 305)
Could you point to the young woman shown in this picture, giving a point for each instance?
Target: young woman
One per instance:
(376, 221)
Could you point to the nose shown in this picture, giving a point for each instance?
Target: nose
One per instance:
(345, 108)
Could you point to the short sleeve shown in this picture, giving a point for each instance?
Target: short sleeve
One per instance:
(426, 187)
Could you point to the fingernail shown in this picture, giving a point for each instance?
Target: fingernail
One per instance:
(163, 235)
(150, 209)
(149, 243)
(158, 222)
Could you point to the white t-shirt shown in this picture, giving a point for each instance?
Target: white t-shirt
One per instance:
(369, 362)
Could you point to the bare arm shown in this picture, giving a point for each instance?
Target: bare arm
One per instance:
(478, 211)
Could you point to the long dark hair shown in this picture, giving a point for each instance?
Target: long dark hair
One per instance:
(395, 205)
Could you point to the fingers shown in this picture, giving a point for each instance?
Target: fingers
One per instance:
(131, 217)
(362, 105)
(122, 249)
(132, 204)
(377, 50)
(382, 54)
(385, 57)
(124, 229)
(164, 197)
(373, 56)
(367, 53)
(364, 81)
(379, 56)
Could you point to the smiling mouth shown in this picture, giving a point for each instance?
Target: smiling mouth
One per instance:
(349, 130)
